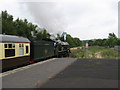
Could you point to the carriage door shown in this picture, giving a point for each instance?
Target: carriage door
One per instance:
(27, 49)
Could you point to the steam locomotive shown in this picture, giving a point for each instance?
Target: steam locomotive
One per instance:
(16, 51)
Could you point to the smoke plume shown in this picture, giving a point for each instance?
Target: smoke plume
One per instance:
(48, 15)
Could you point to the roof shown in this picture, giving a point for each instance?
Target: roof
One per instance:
(11, 38)
(62, 43)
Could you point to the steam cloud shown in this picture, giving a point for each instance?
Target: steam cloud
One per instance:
(48, 15)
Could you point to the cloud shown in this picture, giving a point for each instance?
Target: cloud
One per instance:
(86, 19)
(15, 8)
(95, 20)
(48, 15)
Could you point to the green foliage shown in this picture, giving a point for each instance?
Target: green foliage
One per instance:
(91, 42)
(96, 52)
(70, 41)
(74, 42)
(73, 55)
(118, 41)
(21, 27)
(77, 42)
(8, 24)
(43, 34)
(108, 53)
(111, 41)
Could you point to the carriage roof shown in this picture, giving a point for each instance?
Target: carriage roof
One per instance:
(11, 38)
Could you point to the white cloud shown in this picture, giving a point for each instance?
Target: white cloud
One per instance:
(86, 19)
(95, 21)
(15, 8)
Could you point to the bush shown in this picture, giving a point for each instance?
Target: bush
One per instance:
(95, 52)
(73, 55)
(110, 54)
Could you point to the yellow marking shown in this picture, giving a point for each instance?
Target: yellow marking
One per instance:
(23, 68)
(75, 48)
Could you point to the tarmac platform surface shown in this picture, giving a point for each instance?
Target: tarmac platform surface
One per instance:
(87, 73)
(66, 73)
(34, 76)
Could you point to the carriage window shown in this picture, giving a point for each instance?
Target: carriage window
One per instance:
(9, 45)
(9, 52)
(13, 45)
(21, 49)
(26, 49)
(21, 45)
(5, 45)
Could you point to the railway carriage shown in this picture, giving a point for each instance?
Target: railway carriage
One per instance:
(14, 51)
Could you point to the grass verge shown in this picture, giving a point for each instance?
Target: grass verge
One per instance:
(95, 52)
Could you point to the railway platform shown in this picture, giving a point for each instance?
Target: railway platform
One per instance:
(87, 73)
(65, 73)
(35, 75)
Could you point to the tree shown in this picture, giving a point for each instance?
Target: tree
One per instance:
(118, 41)
(58, 36)
(7, 24)
(77, 42)
(91, 42)
(43, 34)
(98, 42)
(18, 27)
(104, 42)
(74, 42)
(70, 40)
(112, 40)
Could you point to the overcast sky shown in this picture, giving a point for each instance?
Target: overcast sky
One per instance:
(86, 19)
